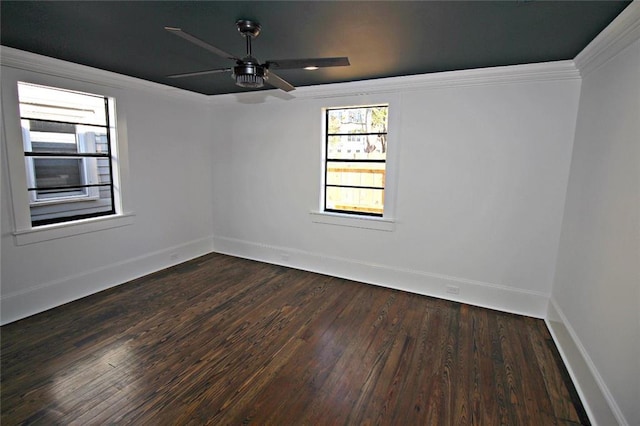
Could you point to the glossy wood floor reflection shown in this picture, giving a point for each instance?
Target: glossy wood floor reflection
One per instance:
(222, 340)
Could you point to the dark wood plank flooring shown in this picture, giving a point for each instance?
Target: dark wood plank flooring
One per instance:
(222, 340)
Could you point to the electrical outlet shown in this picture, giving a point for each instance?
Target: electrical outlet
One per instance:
(284, 256)
(453, 289)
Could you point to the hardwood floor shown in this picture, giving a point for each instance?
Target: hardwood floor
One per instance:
(222, 340)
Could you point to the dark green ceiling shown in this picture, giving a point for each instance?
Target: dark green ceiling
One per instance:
(381, 38)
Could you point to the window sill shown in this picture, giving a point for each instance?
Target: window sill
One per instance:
(366, 222)
(68, 229)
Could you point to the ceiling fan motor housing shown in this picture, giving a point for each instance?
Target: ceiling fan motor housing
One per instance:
(249, 75)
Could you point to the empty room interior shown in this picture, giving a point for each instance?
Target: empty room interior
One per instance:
(415, 213)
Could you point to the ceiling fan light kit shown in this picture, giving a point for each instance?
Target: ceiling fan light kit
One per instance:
(250, 76)
(248, 72)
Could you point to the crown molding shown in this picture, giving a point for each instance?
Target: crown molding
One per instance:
(622, 32)
(527, 73)
(27, 61)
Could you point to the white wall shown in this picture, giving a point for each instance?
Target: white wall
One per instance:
(168, 191)
(595, 310)
(482, 172)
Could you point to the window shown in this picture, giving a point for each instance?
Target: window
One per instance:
(355, 160)
(67, 139)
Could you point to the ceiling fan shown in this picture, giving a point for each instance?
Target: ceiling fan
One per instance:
(248, 71)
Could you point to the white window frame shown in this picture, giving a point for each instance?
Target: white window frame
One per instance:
(389, 218)
(24, 232)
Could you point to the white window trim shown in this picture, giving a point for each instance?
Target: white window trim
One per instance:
(24, 232)
(353, 221)
(388, 219)
(68, 229)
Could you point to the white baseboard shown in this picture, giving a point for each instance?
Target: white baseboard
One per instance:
(48, 295)
(594, 393)
(493, 296)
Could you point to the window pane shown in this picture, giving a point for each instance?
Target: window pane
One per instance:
(59, 128)
(355, 174)
(355, 199)
(355, 161)
(358, 120)
(61, 212)
(47, 103)
(357, 147)
(65, 138)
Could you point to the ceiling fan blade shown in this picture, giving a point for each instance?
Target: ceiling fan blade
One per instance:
(278, 82)
(193, 74)
(201, 43)
(284, 64)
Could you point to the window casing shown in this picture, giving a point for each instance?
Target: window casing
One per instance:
(355, 160)
(67, 139)
(19, 66)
